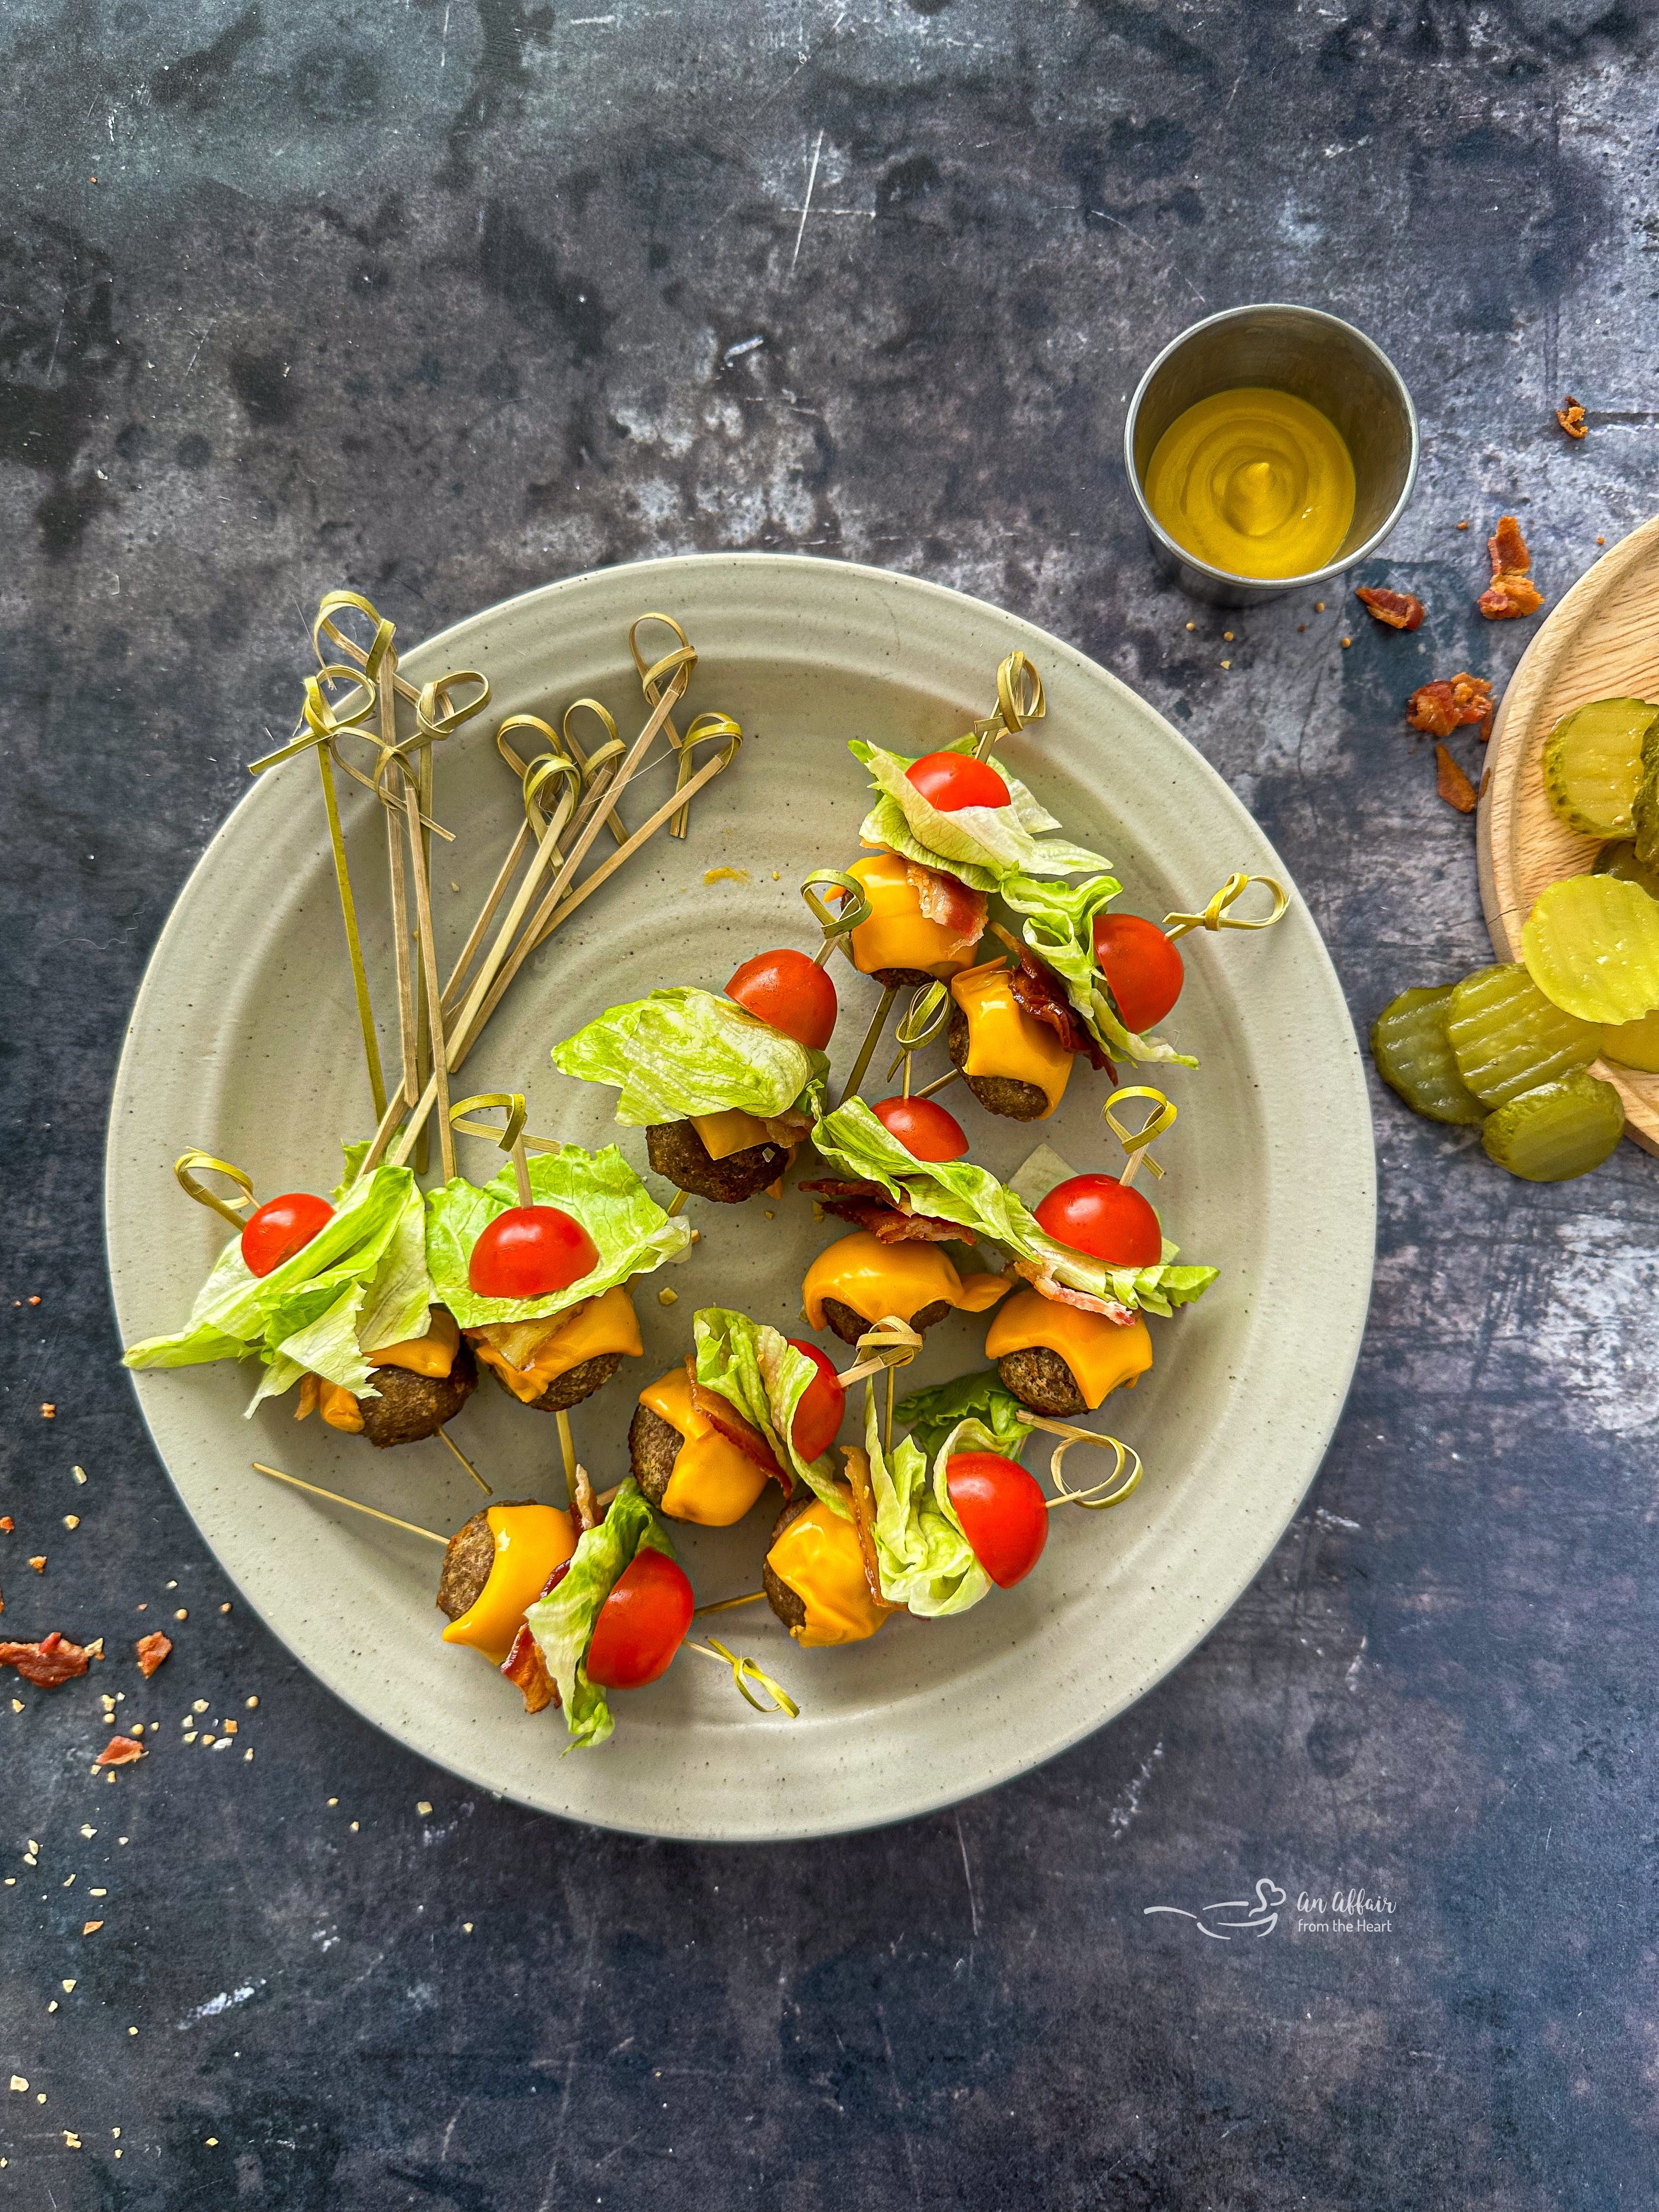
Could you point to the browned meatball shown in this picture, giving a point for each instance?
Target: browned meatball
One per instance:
(469, 1556)
(900, 979)
(654, 1445)
(410, 1406)
(1040, 1379)
(850, 1326)
(786, 1603)
(997, 1094)
(576, 1384)
(675, 1150)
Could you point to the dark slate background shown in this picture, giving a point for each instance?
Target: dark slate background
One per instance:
(442, 300)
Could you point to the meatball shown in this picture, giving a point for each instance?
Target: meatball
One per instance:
(469, 1556)
(997, 1094)
(576, 1384)
(410, 1406)
(850, 1326)
(788, 1604)
(900, 979)
(1040, 1379)
(675, 1150)
(654, 1445)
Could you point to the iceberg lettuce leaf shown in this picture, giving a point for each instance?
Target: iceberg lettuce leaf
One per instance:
(924, 1560)
(683, 1052)
(563, 1622)
(757, 1370)
(981, 845)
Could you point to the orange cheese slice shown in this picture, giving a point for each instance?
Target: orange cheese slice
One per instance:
(712, 1482)
(432, 1354)
(607, 1323)
(338, 1408)
(531, 1540)
(729, 1131)
(876, 1279)
(1003, 1039)
(898, 934)
(1101, 1354)
(818, 1556)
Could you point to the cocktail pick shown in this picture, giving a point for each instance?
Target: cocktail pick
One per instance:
(648, 676)
(1216, 916)
(1135, 1142)
(1020, 700)
(927, 1016)
(230, 1210)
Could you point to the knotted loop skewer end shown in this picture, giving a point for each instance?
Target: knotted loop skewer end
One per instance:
(227, 1209)
(439, 713)
(838, 928)
(549, 768)
(1135, 1141)
(925, 1018)
(511, 1136)
(1216, 916)
(888, 1344)
(1020, 696)
(381, 632)
(1127, 1468)
(746, 1671)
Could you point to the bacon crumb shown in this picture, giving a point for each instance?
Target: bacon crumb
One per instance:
(1449, 704)
(1511, 592)
(152, 1650)
(1452, 784)
(48, 1412)
(119, 1750)
(524, 1666)
(7, 1523)
(1398, 609)
(47, 1664)
(39, 1563)
(1570, 415)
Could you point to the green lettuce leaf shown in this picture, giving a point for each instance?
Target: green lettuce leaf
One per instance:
(632, 1232)
(931, 1415)
(683, 1052)
(981, 845)
(1060, 925)
(924, 1560)
(852, 1139)
(393, 1303)
(563, 1622)
(759, 1372)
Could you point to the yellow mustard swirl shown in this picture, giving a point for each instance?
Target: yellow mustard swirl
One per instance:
(1254, 481)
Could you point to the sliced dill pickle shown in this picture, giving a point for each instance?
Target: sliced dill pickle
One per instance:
(1591, 944)
(1620, 858)
(1507, 1037)
(1557, 1131)
(1593, 765)
(1414, 1056)
(1644, 809)
(1633, 1045)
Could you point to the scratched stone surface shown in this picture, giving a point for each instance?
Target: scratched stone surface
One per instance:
(446, 299)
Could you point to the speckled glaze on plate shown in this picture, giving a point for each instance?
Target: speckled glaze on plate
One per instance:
(243, 1041)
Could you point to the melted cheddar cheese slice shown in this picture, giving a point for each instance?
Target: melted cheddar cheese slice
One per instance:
(598, 1325)
(729, 1131)
(712, 1483)
(876, 1279)
(337, 1407)
(433, 1354)
(818, 1556)
(1100, 1353)
(531, 1540)
(1003, 1040)
(898, 934)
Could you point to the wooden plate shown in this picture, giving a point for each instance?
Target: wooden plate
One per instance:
(1601, 642)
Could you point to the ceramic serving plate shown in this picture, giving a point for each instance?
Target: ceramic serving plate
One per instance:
(243, 1041)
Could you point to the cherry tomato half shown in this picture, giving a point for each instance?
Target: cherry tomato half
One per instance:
(925, 1130)
(1142, 969)
(276, 1231)
(1096, 1214)
(790, 992)
(817, 1417)
(951, 782)
(529, 1252)
(642, 1624)
(1003, 1513)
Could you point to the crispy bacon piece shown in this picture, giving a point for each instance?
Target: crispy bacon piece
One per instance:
(1511, 590)
(524, 1666)
(1447, 704)
(867, 1205)
(950, 902)
(152, 1650)
(1452, 784)
(724, 1417)
(1040, 1280)
(47, 1664)
(1039, 992)
(864, 1518)
(119, 1750)
(1570, 415)
(1398, 609)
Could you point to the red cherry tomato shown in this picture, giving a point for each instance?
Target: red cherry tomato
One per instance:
(1142, 969)
(282, 1227)
(1095, 1214)
(924, 1129)
(817, 1417)
(790, 992)
(1003, 1513)
(951, 782)
(642, 1624)
(529, 1252)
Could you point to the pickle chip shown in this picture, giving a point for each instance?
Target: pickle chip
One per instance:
(1620, 859)
(1507, 1037)
(1645, 810)
(1414, 1057)
(1592, 765)
(1633, 1045)
(1557, 1131)
(1591, 944)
